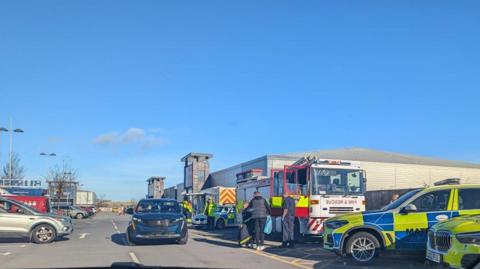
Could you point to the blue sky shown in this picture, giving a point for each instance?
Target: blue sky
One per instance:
(124, 89)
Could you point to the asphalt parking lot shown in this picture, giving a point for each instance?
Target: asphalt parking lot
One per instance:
(309, 253)
(100, 241)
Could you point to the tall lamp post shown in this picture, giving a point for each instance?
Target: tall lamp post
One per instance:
(3, 129)
(11, 131)
(47, 155)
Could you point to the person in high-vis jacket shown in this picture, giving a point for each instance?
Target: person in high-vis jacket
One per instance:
(187, 210)
(209, 211)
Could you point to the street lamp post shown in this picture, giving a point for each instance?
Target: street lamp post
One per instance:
(46, 155)
(11, 131)
(3, 129)
(11, 142)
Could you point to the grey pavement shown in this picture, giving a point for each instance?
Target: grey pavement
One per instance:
(100, 241)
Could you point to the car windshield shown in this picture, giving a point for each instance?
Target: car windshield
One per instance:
(158, 206)
(395, 204)
(336, 181)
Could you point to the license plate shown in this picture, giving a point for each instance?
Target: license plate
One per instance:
(434, 257)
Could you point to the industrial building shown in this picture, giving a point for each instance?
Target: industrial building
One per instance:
(384, 170)
(175, 192)
(62, 192)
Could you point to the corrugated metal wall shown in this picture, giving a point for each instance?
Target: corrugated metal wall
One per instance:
(388, 176)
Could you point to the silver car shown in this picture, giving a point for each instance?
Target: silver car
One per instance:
(20, 220)
(72, 211)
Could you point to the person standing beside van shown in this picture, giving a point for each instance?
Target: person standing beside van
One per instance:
(260, 211)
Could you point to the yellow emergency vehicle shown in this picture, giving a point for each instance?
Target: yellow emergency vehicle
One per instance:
(401, 225)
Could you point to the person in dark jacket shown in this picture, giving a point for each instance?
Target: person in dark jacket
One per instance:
(260, 211)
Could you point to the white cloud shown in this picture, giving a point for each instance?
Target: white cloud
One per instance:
(131, 136)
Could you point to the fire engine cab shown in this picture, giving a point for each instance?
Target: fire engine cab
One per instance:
(321, 188)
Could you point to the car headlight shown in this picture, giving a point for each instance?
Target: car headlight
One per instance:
(469, 238)
(335, 224)
(62, 219)
(137, 219)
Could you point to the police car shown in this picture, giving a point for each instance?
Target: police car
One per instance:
(401, 225)
(225, 216)
(456, 242)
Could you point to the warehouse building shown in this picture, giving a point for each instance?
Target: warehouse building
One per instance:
(384, 170)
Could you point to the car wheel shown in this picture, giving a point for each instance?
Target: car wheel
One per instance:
(79, 216)
(363, 247)
(43, 234)
(220, 224)
(130, 240)
(183, 240)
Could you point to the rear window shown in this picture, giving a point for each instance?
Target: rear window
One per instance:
(158, 206)
(469, 199)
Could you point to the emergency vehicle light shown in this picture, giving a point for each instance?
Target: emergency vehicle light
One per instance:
(314, 202)
(335, 162)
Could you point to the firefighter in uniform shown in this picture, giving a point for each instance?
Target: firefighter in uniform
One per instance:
(288, 221)
(209, 211)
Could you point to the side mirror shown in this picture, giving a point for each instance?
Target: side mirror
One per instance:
(129, 211)
(408, 209)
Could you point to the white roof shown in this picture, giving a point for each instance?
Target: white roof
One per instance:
(370, 155)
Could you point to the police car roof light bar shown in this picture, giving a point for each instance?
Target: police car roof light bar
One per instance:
(448, 181)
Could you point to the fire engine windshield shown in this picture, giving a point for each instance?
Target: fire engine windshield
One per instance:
(336, 181)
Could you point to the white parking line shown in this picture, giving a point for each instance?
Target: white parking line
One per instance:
(115, 227)
(82, 236)
(5, 253)
(10, 246)
(134, 257)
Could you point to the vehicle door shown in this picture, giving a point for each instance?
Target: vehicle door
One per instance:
(64, 210)
(411, 223)
(231, 216)
(468, 201)
(276, 191)
(15, 220)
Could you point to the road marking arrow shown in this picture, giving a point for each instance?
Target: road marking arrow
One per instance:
(82, 236)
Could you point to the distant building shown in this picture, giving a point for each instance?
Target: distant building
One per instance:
(156, 187)
(175, 192)
(62, 191)
(180, 192)
(384, 170)
(170, 192)
(196, 170)
(29, 187)
(85, 198)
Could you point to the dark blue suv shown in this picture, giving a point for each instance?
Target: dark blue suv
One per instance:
(156, 219)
